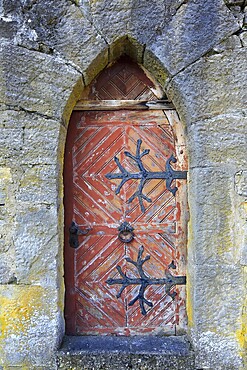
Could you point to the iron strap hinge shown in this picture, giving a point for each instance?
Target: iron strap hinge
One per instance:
(143, 175)
(144, 281)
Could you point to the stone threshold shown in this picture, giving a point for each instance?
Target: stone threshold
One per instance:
(117, 353)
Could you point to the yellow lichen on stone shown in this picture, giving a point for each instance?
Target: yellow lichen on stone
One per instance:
(189, 303)
(241, 334)
(73, 98)
(20, 309)
(189, 283)
(17, 309)
(244, 205)
(26, 312)
(5, 178)
(5, 173)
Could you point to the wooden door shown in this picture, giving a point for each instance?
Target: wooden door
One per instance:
(100, 144)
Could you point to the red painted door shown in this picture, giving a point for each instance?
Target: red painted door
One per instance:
(94, 270)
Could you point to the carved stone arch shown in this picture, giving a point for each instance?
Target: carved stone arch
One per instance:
(122, 82)
(129, 46)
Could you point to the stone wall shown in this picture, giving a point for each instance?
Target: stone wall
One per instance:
(50, 51)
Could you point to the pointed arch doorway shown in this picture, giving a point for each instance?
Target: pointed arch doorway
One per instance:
(125, 210)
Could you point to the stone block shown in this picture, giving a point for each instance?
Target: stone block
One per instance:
(214, 351)
(191, 33)
(147, 22)
(122, 359)
(5, 181)
(38, 184)
(243, 35)
(7, 212)
(35, 82)
(35, 22)
(40, 143)
(6, 233)
(11, 142)
(219, 141)
(230, 43)
(241, 214)
(11, 119)
(115, 23)
(8, 28)
(231, 3)
(87, 49)
(7, 265)
(31, 323)
(220, 292)
(28, 138)
(154, 65)
(213, 236)
(36, 244)
(213, 85)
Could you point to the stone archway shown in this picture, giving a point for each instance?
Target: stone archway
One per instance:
(45, 67)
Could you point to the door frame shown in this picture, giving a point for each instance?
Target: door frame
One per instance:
(180, 148)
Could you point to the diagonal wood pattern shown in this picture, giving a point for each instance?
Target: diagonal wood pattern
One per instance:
(95, 139)
(122, 81)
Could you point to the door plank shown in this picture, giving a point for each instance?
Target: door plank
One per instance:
(92, 204)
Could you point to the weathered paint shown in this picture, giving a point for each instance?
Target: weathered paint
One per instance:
(93, 141)
(36, 86)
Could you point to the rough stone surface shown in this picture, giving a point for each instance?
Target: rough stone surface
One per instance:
(29, 320)
(30, 87)
(212, 204)
(49, 51)
(216, 255)
(28, 139)
(219, 141)
(218, 315)
(218, 346)
(241, 182)
(137, 352)
(191, 33)
(7, 260)
(86, 45)
(35, 249)
(29, 190)
(148, 23)
(112, 362)
(213, 85)
(32, 22)
(115, 22)
(232, 42)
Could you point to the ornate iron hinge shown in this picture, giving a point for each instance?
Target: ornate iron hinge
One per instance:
(143, 175)
(144, 281)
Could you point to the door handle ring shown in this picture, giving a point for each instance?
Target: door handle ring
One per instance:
(125, 234)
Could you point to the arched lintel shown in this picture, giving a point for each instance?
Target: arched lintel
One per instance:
(138, 53)
(141, 55)
(126, 45)
(123, 45)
